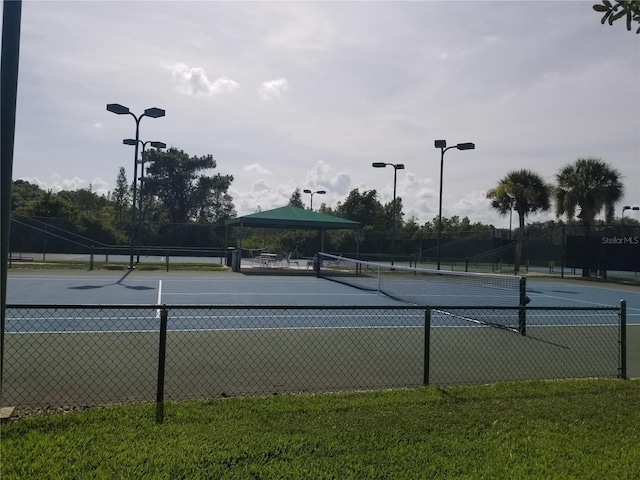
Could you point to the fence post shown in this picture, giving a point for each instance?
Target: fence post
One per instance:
(623, 339)
(562, 251)
(427, 345)
(162, 350)
(522, 311)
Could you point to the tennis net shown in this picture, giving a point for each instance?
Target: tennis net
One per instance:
(433, 288)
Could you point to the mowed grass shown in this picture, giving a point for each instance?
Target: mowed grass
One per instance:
(570, 429)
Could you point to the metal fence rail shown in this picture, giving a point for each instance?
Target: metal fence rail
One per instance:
(91, 355)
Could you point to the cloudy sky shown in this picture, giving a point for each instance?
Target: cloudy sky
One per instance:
(290, 95)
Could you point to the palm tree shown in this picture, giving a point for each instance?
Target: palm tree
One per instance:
(525, 192)
(592, 185)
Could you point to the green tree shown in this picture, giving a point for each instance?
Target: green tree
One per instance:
(216, 204)
(525, 192)
(364, 208)
(629, 9)
(390, 218)
(184, 190)
(121, 196)
(84, 199)
(296, 199)
(23, 193)
(51, 205)
(591, 185)
(411, 236)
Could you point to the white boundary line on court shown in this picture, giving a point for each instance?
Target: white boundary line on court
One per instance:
(159, 302)
(599, 304)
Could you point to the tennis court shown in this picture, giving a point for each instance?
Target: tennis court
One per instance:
(224, 289)
(227, 288)
(231, 334)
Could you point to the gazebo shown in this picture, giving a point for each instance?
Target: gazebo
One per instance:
(293, 218)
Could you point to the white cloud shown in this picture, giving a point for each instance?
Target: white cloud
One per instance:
(256, 168)
(515, 80)
(193, 81)
(260, 186)
(273, 89)
(320, 177)
(56, 184)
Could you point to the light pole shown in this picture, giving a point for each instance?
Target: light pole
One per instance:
(149, 112)
(131, 141)
(628, 207)
(511, 201)
(396, 167)
(442, 145)
(319, 192)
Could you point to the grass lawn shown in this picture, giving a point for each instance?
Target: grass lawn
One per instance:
(570, 429)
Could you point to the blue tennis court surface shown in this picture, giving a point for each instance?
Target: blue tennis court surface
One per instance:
(143, 288)
(154, 289)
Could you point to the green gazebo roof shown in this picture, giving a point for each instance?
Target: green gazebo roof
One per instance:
(293, 217)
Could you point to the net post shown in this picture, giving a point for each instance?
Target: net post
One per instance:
(427, 345)
(162, 350)
(91, 258)
(167, 260)
(623, 340)
(522, 311)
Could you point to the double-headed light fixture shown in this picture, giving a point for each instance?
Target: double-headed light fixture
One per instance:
(442, 145)
(396, 167)
(628, 207)
(319, 192)
(149, 112)
(159, 145)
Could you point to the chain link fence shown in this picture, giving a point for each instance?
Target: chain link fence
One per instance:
(92, 355)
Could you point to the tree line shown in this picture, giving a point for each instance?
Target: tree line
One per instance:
(182, 203)
(584, 189)
(179, 203)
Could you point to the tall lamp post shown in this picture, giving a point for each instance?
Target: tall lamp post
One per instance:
(149, 112)
(628, 207)
(442, 145)
(396, 167)
(319, 192)
(131, 141)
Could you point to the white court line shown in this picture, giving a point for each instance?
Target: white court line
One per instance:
(159, 298)
(572, 300)
(275, 294)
